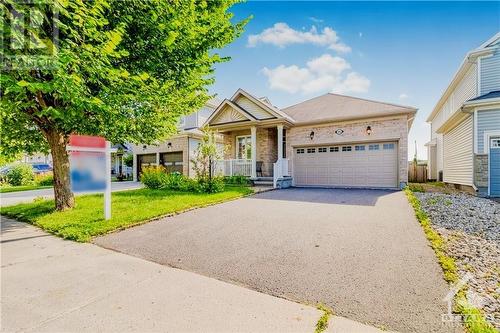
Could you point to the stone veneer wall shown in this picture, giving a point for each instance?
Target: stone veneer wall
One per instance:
(481, 170)
(394, 128)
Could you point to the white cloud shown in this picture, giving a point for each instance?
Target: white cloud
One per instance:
(325, 73)
(403, 96)
(316, 20)
(282, 35)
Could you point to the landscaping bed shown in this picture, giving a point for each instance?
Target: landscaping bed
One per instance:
(129, 208)
(470, 228)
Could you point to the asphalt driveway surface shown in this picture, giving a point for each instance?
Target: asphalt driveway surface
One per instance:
(361, 252)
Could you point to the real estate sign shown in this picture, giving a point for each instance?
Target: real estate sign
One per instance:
(90, 164)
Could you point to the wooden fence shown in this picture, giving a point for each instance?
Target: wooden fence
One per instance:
(417, 173)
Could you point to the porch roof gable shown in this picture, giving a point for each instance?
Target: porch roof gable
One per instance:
(243, 107)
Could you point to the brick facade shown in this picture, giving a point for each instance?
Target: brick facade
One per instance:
(389, 129)
(267, 149)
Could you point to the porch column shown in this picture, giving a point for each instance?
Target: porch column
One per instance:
(280, 142)
(253, 130)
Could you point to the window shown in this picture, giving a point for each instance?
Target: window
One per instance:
(495, 143)
(359, 148)
(311, 150)
(373, 147)
(322, 150)
(334, 149)
(244, 147)
(388, 145)
(300, 151)
(347, 148)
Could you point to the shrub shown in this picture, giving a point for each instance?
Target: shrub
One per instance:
(236, 180)
(416, 188)
(177, 181)
(153, 177)
(209, 185)
(20, 174)
(45, 179)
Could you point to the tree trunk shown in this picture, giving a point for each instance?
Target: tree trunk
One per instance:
(62, 188)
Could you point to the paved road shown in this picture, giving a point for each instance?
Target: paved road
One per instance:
(361, 252)
(12, 198)
(52, 285)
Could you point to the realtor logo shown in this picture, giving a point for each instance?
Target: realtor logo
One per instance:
(30, 39)
(473, 299)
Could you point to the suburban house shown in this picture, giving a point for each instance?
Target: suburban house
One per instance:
(175, 154)
(465, 124)
(327, 141)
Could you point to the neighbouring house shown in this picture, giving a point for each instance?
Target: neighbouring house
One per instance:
(327, 141)
(464, 149)
(176, 153)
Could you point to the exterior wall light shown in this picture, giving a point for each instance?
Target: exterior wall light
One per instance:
(368, 130)
(169, 145)
(311, 135)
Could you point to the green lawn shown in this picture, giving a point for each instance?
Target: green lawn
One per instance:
(128, 208)
(8, 189)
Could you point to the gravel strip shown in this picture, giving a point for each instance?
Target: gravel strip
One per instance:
(471, 229)
(463, 212)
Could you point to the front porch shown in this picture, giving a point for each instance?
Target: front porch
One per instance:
(257, 153)
(254, 136)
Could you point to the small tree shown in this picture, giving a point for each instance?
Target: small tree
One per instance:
(203, 164)
(206, 155)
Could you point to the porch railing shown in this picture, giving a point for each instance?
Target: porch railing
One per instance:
(280, 170)
(234, 167)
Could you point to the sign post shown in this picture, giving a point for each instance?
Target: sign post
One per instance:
(90, 162)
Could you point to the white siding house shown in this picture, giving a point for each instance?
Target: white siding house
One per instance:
(465, 119)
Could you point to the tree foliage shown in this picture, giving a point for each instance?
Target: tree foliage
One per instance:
(123, 69)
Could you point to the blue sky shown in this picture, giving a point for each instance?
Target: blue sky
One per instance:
(399, 52)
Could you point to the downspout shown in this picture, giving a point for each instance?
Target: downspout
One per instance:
(473, 152)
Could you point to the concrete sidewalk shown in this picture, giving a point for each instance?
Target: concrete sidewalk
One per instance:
(49, 284)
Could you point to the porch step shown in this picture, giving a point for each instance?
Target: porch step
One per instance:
(269, 179)
(263, 182)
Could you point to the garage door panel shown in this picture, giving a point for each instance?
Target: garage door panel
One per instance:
(361, 167)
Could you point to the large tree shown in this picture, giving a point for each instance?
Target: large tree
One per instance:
(123, 69)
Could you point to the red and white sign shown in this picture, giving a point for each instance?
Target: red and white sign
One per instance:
(90, 163)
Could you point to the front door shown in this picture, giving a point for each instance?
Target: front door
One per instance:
(494, 188)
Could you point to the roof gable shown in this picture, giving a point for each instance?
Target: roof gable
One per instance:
(228, 112)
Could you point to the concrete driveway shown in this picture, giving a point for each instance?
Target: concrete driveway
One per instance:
(12, 198)
(361, 252)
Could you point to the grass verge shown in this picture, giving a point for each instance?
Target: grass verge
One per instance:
(322, 323)
(473, 318)
(8, 189)
(129, 208)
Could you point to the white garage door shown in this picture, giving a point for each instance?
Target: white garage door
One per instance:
(356, 165)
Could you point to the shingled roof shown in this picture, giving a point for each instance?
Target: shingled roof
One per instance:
(334, 107)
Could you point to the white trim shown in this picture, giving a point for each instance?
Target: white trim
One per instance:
(488, 135)
(474, 131)
(478, 77)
